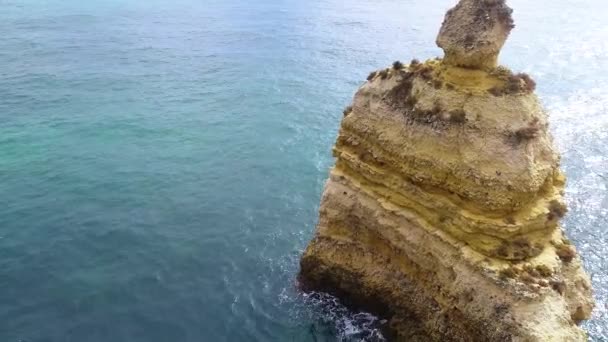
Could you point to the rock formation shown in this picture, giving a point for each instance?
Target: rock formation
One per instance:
(442, 211)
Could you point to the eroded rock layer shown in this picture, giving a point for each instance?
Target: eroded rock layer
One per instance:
(442, 211)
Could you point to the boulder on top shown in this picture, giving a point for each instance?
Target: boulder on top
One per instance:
(474, 31)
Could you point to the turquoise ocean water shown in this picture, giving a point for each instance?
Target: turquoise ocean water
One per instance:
(161, 162)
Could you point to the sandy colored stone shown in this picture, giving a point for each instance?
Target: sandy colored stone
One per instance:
(474, 31)
(442, 211)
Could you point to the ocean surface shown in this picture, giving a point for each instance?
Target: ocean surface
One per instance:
(161, 162)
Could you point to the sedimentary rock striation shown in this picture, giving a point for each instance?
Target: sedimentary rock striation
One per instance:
(442, 211)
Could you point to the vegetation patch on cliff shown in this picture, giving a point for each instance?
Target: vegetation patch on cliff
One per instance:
(520, 83)
(518, 249)
(402, 98)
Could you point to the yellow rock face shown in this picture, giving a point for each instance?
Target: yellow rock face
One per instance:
(456, 154)
(442, 210)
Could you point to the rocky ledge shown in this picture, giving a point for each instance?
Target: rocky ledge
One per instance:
(442, 211)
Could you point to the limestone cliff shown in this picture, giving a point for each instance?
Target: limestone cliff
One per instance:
(442, 211)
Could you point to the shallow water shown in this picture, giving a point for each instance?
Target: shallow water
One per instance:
(161, 162)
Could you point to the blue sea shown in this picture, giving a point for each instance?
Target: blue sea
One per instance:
(161, 162)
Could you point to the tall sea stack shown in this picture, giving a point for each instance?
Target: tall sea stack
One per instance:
(442, 211)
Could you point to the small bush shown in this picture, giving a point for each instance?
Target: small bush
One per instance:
(504, 15)
(427, 116)
(518, 83)
(347, 110)
(526, 133)
(469, 40)
(366, 157)
(537, 248)
(458, 116)
(565, 253)
(543, 283)
(557, 210)
(513, 85)
(522, 248)
(397, 65)
(521, 242)
(371, 75)
(530, 84)
(410, 102)
(502, 250)
(401, 97)
(436, 110)
(437, 84)
(450, 86)
(507, 273)
(426, 73)
(501, 72)
(528, 279)
(414, 63)
(496, 91)
(501, 309)
(383, 74)
(558, 285)
(531, 271)
(544, 270)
